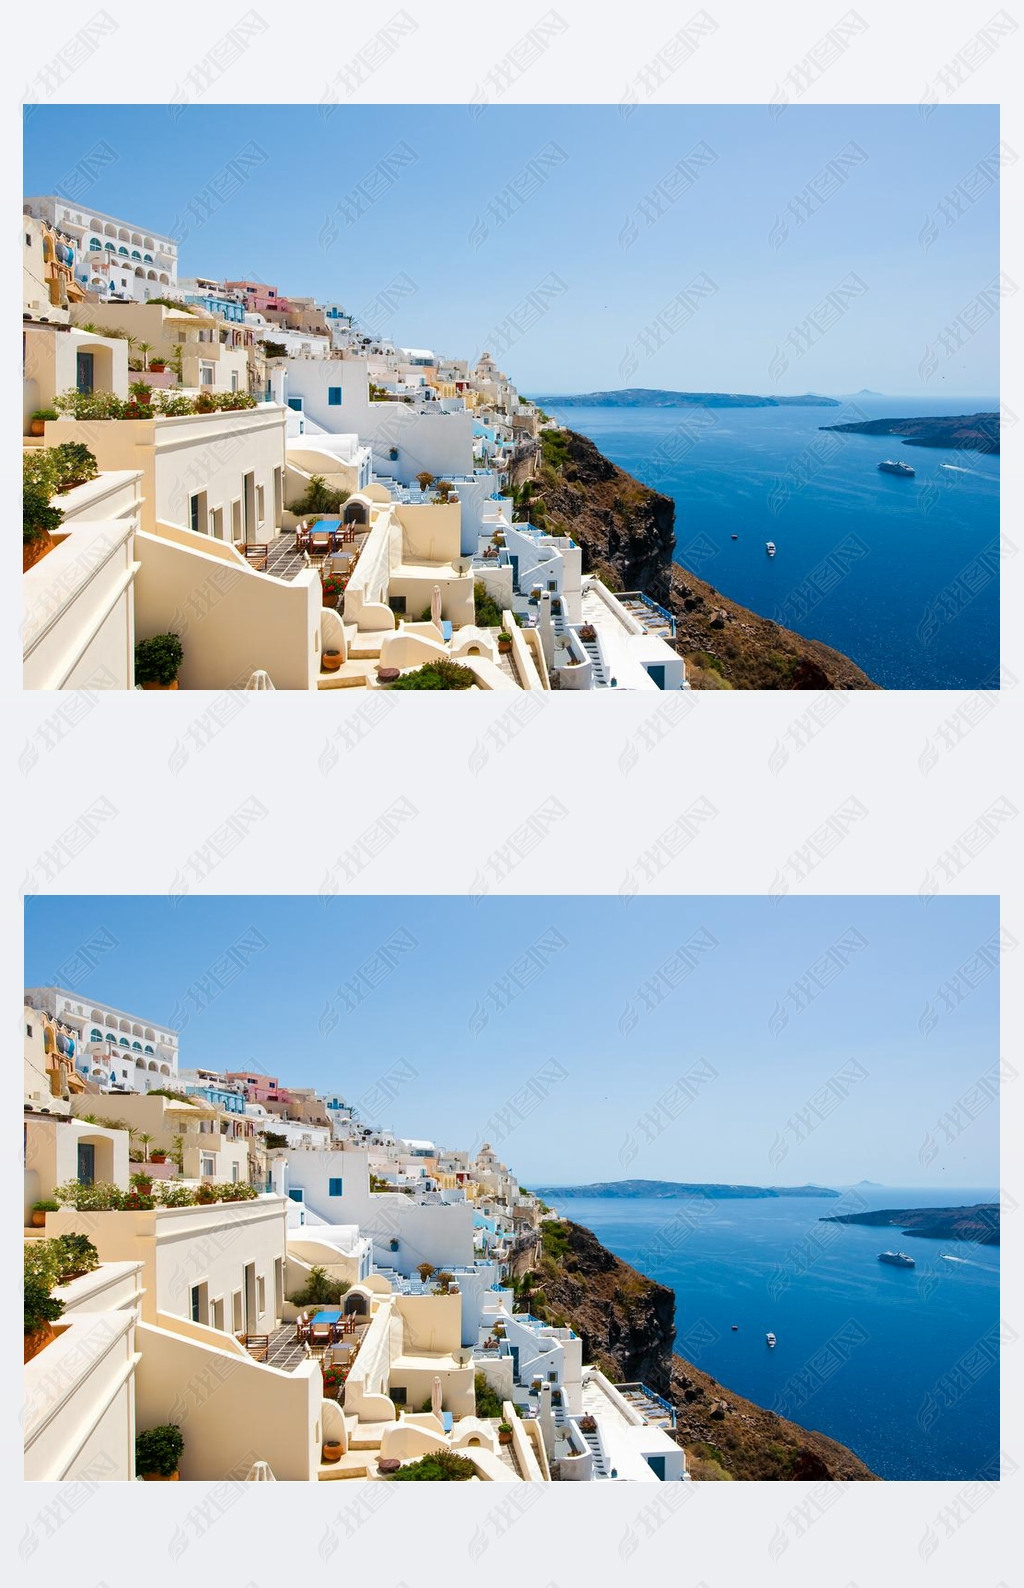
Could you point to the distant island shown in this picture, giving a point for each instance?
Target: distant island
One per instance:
(644, 397)
(979, 1223)
(677, 1188)
(968, 432)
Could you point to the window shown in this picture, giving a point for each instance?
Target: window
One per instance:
(97, 1036)
(236, 1312)
(261, 1294)
(234, 380)
(197, 515)
(207, 1164)
(206, 374)
(296, 1195)
(261, 512)
(234, 1173)
(296, 403)
(334, 1188)
(334, 396)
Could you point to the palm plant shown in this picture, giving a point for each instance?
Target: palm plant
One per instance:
(145, 348)
(145, 1138)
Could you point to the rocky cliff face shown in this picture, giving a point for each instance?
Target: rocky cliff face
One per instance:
(627, 532)
(627, 1324)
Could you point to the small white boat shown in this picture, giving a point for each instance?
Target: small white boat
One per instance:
(769, 547)
(769, 1339)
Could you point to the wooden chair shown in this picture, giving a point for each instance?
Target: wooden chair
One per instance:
(301, 1328)
(258, 1346)
(320, 542)
(301, 537)
(256, 555)
(320, 1336)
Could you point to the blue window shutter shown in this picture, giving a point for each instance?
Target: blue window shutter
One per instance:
(334, 396)
(334, 1188)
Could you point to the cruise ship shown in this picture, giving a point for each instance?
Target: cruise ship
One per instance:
(891, 466)
(898, 1259)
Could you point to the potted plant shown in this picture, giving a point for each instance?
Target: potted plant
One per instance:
(504, 641)
(588, 633)
(41, 1209)
(39, 522)
(588, 1425)
(157, 661)
(330, 661)
(141, 1182)
(37, 423)
(332, 589)
(393, 454)
(158, 1452)
(504, 1433)
(159, 1156)
(157, 365)
(41, 1311)
(394, 1243)
(331, 1450)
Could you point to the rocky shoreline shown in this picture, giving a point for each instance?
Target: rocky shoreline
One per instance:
(627, 1324)
(627, 533)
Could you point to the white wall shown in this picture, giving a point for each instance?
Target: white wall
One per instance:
(79, 1401)
(231, 618)
(437, 1233)
(78, 628)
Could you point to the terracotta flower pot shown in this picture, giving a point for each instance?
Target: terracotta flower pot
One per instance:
(33, 551)
(38, 1219)
(37, 1339)
(330, 661)
(159, 1477)
(172, 685)
(330, 600)
(331, 1450)
(37, 427)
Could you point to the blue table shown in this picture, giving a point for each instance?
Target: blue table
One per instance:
(327, 1315)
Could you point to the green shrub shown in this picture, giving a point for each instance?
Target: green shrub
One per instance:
(74, 1255)
(44, 414)
(176, 1196)
(105, 405)
(487, 612)
(436, 675)
(75, 464)
(159, 1449)
(320, 1289)
(100, 1197)
(39, 470)
(47, 1205)
(440, 1466)
(319, 498)
(41, 1263)
(488, 1401)
(40, 1306)
(38, 517)
(158, 660)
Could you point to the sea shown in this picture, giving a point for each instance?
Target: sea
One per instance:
(899, 1364)
(899, 574)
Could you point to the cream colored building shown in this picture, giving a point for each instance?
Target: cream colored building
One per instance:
(216, 355)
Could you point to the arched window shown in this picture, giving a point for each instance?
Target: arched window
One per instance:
(111, 247)
(124, 251)
(137, 1047)
(125, 1043)
(94, 243)
(136, 254)
(95, 1036)
(148, 1048)
(111, 1036)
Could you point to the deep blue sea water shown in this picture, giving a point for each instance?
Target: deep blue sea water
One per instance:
(884, 569)
(887, 1389)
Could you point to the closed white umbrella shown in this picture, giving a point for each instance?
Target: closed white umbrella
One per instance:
(436, 1398)
(435, 606)
(260, 1472)
(259, 680)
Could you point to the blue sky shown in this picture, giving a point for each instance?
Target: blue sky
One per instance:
(577, 1077)
(598, 205)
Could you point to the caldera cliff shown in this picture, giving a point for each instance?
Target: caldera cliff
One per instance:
(627, 1324)
(627, 534)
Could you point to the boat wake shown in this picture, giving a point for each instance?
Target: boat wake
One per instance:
(956, 468)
